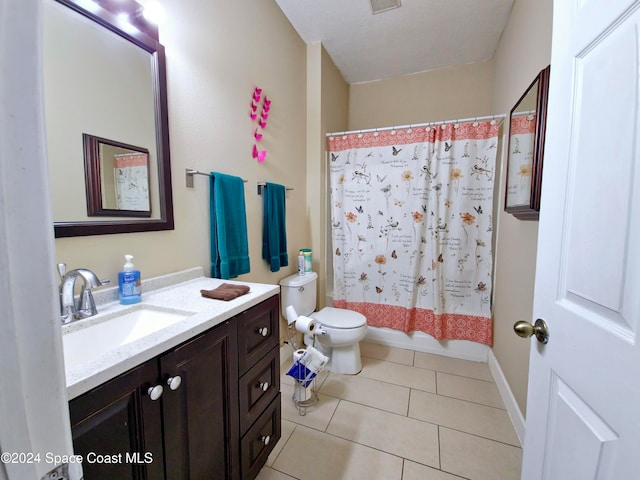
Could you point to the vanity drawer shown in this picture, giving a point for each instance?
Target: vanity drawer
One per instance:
(258, 387)
(257, 332)
(259, 441)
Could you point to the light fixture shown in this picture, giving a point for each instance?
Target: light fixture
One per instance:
(379, 6)
(154, 12)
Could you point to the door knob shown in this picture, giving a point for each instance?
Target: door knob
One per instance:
(539, 329)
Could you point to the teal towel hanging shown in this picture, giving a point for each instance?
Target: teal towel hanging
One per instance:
(274, 226)
(229, 243)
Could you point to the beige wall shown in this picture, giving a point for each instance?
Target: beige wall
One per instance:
(335, 117)
(445, 94)
(524, 50)
(327, 104)
(215, 58)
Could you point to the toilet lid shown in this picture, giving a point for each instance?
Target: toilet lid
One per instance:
(339, 318)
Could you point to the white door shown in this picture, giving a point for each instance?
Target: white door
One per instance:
(583, 408)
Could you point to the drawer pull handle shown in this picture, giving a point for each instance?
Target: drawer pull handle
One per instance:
(155, 392)
(265, 439)
(264, 386)
(264, 331)
(174, 382)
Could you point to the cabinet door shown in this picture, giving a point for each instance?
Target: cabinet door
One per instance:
(201, 415)
(117, 429)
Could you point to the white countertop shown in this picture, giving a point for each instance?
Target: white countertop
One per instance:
(183, 296)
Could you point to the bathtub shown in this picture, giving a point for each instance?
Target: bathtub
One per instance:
(423, 342)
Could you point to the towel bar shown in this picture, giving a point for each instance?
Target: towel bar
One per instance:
(190, 172)
(262, 184)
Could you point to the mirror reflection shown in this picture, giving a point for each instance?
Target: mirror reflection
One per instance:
(95, 82)
(522, 131)
(123, 171)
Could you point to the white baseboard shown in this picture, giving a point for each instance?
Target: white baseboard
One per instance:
(507, 397)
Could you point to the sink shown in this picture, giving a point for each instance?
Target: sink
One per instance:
(120, 329)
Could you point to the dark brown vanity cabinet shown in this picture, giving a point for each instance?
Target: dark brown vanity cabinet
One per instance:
(211, 421)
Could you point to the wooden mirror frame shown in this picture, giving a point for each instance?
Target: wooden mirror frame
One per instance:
(531, 211)
(146, 37)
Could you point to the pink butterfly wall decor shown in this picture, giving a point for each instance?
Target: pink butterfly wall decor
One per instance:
(261, 118)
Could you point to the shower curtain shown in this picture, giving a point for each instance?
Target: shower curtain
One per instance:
(411, 227)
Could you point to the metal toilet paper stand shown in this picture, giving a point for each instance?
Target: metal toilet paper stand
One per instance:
(304, 392)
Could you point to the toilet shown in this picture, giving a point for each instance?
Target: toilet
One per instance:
(344, 328)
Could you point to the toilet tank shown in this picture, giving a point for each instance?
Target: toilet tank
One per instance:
(299, 291)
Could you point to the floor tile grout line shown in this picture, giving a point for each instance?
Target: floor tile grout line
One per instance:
(283, 445)
(439, 467)
(436, 370)
(419, 419)
(466, 401)
(399, 414)
(466, 377)
(417, 389)
(480, 436)
(333, 415)
(366, 446)
(387, 382)
(284, 473)
(387, 360)
(318, 391)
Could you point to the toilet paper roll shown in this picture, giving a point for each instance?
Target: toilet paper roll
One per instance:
(291, 314)
(306, 325)
(297, 355)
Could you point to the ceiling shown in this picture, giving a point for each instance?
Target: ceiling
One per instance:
(419, 36)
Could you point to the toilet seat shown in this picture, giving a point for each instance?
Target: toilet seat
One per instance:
(339, 318)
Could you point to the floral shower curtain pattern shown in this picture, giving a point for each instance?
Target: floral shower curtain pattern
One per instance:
(412, 229)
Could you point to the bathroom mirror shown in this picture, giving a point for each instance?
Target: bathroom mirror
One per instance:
(104, 79)
(527, 125)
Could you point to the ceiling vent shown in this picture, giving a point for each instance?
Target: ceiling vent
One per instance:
(379, 6)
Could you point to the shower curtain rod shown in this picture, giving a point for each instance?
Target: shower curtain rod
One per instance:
(418, 125)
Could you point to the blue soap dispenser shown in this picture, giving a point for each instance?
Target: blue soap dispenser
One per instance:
(129, 283)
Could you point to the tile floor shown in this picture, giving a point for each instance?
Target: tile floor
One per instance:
(406, 416)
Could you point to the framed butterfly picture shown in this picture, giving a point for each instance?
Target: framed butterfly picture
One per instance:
(527, 125)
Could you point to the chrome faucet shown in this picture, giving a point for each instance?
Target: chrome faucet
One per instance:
(86, 306)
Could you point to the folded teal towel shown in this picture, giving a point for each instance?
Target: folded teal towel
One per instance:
(229, 244)
(274, 227)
